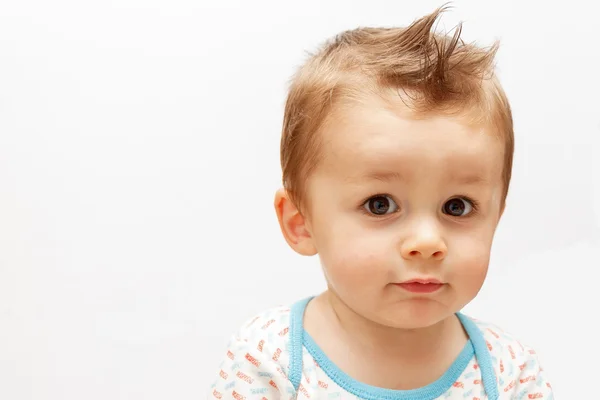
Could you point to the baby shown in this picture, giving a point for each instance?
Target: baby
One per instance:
(396, 152)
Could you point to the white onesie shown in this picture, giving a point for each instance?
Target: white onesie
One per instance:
(272, 357)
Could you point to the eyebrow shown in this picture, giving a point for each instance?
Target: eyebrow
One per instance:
(392, 176)
(384, 176)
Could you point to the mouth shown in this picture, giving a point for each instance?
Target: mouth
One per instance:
(421, 285)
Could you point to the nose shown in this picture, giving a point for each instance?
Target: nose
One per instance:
(425, 243)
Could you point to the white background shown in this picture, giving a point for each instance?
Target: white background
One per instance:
(139, 155)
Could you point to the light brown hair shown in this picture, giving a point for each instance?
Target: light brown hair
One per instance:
(432, 73)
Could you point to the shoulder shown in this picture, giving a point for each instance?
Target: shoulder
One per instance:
(268, 325)
(256, 360)
(264, 337)
(515, 363)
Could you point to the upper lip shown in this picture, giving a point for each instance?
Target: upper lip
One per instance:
(424, 281)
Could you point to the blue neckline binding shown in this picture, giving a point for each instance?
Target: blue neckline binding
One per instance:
(475, 346)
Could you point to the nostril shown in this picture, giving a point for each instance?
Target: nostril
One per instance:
(414, 253)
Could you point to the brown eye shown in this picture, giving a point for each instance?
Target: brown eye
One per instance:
(380, 205)
(456, 207)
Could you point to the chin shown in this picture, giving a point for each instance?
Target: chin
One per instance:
(414, 316)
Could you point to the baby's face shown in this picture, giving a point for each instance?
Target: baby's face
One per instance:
(397, 199)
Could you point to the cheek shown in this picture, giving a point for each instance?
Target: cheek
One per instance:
(355, 260)
(470, 265)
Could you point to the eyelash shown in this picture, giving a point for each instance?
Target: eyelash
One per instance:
(474, 205)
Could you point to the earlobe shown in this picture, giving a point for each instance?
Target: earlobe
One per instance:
(293, 225)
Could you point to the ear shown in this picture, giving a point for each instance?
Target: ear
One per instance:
(293, 225)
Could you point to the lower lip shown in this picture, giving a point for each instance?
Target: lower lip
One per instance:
(415, 287)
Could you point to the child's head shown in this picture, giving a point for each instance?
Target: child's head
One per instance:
(397, 153)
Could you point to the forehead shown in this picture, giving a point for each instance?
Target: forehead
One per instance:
(375, 138)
